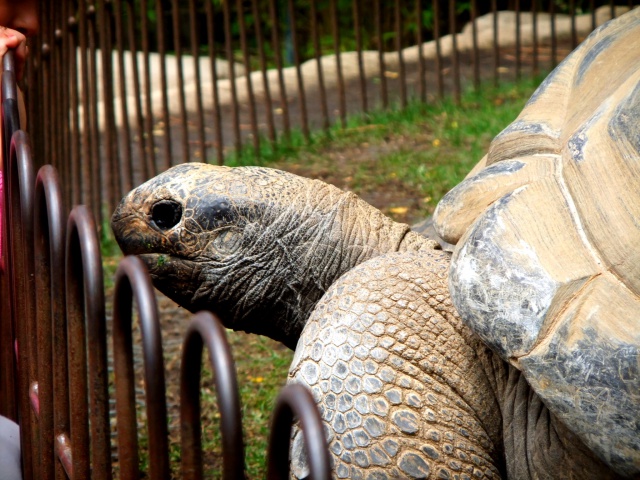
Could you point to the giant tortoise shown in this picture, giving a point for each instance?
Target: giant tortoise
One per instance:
(516, 356)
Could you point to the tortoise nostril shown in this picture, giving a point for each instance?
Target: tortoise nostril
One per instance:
(166, 214)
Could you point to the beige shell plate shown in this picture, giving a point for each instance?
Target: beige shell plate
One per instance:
(547, 231)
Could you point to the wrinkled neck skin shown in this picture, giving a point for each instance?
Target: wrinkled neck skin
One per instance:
(535, 443)
(290, 254)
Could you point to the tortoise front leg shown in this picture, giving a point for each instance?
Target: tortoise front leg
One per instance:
(400, 382)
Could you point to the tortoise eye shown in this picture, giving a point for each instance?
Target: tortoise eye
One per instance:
(166, 214)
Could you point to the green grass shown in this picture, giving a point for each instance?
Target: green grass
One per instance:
(415, 155)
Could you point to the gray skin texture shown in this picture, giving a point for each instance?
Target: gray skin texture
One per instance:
(404, 387)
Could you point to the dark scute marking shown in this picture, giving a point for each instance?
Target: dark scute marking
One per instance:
(166, 214)
(215, 211)
(594, 385)
(542, 88)
(500, 168)
(593, 53)
(624, 122)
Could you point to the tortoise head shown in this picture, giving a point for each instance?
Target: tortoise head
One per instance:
(259, 246)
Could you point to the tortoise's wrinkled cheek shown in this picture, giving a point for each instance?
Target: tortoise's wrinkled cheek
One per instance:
(174, 277)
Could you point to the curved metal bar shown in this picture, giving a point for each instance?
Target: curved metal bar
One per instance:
(7, 331)
(132, 280)
(205, 328)
(86, 323)
(295, 401)
(49, 292)
(10, 113)
(18, 168)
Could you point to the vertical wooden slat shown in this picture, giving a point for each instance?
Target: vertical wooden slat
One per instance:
(141, 165)
(496, 46)
(518, 41)
(534, 15)
(421, 63)
(357, 27)
(193, 22)
(235, 112)
(148, 108)
(247, 75)
(74, 130)
(335, 28)
(268, 103)
(276, 46)
(177, 48)
(217, 124)
(302, 98)
(124, 146)
(401, 66)
(86, 119)
(455, 62)
(554, 39)
(476, 52)
(574, 32)
(436, 36)
(382, 69)
(166, 134)
(319, 70)
(96, 201)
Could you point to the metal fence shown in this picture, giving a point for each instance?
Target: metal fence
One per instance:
(123, 89)
(54, 354)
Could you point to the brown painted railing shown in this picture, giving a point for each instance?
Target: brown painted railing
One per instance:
(108, 119)
(53, 344)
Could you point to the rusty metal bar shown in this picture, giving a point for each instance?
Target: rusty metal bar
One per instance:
(401, 66)
(86, 119)
(247, 76)
(126, 164)
(143, 163)
(496, 45)
(534, 17)
(436, 36)
(235, 112)
(193, 21)
(50, 311)
(422, 73)
(320, 71)
(342, 102)
(518, 40)
(152, 168)
(132, 281)
(361, 74)
(455, 61)
(205, 329)
(268, 104)
(160, 29)
(89, 418)
(19, 195)
(554, 40)
(74, 130)
(275, 43)
(302, 100)
(110, 181)
(574, 32)
(379, 34)
(177, 48)
(476, 52)
(217, 121)
(295, 401)
(96, 197)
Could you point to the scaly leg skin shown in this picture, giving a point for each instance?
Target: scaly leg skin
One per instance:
(400, 382)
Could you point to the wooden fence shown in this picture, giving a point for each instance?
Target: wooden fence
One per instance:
(124, 89)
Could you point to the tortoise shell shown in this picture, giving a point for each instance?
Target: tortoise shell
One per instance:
(546, 267)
